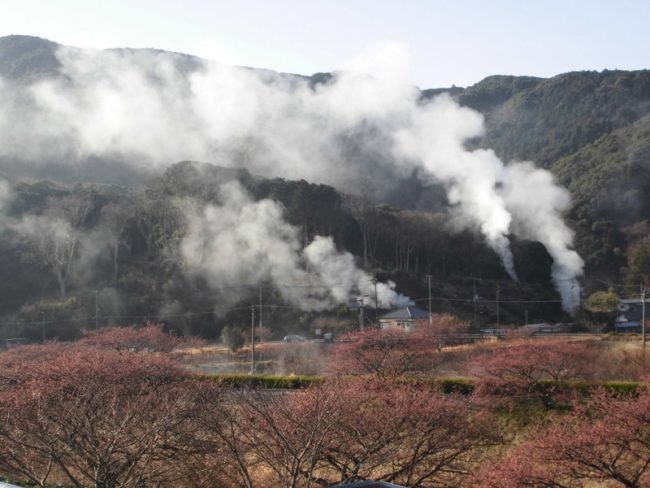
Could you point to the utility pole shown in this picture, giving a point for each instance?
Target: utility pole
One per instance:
(475, 299)
(376, 305)
(252, 339)
(96, 292)
(361, 321)
(260, 313)
(526, 316)
(430, 317)
(643, 321)
(498, 324)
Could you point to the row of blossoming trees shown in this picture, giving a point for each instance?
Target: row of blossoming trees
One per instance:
(118, 410)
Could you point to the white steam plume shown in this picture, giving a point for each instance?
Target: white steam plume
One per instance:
(142, 106)
(537, 204)
(242, 241)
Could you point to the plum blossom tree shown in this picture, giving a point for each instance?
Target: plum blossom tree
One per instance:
(150, 337)
(352, 429)
(382, 353)
(394, 352)
(604, 442)
(94, 418)
(406, 434)
(535, 369)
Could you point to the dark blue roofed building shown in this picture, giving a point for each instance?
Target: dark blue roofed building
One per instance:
(629, 315)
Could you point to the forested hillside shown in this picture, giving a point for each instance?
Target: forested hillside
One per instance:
(118, 257)
(591, 129)
(121, 252)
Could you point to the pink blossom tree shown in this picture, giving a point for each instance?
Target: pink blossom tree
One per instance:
(603, 442)
(93, 418)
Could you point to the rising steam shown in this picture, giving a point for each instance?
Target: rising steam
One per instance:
(240, 242)
(153, 108)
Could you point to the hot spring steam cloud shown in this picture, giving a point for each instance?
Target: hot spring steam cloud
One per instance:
(242, 241)
(152, 108)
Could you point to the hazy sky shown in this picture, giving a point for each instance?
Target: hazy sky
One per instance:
(451, 42)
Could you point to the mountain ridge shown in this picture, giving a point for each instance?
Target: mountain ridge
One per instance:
(588, 127)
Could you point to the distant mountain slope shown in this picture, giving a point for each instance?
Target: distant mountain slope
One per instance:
(591, 129)
(544, 120)
(608, 178)
(27, 57)
(30, 57)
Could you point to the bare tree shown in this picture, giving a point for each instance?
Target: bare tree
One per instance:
(366, 215)
(115, 216)
(53, 237)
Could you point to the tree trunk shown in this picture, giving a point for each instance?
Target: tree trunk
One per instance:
(116, 252)
(62, 288)
(365, 248)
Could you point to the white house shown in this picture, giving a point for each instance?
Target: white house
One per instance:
(404, 318)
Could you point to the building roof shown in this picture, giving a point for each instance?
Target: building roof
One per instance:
(633, 314)
(406, 313)
(628, 325)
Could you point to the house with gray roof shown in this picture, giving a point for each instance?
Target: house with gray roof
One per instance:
(404, 318)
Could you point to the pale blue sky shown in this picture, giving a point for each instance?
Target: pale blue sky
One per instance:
(451, 42)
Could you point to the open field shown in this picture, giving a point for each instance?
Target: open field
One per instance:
(312, 357)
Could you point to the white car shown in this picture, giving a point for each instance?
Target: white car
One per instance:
(293, 338)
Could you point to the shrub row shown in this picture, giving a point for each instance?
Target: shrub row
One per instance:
(239, 380)
(462, 386)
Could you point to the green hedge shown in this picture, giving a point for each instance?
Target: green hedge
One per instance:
(623, 387)
(447, 385)
(265, 380)
(586, 387)
(462, 386)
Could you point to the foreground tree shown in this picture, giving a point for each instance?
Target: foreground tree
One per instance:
(605, 442)
(291, 434)
(406, 434)
(94, 418)
(353, 429)
(220, 454)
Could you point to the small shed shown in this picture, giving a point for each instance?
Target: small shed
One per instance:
(404, 318)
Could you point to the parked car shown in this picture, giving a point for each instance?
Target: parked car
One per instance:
(294, 338)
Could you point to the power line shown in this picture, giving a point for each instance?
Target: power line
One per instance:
(247, 307)
(117, 317)
(310, 285)
(482, 300)
(147, 316)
